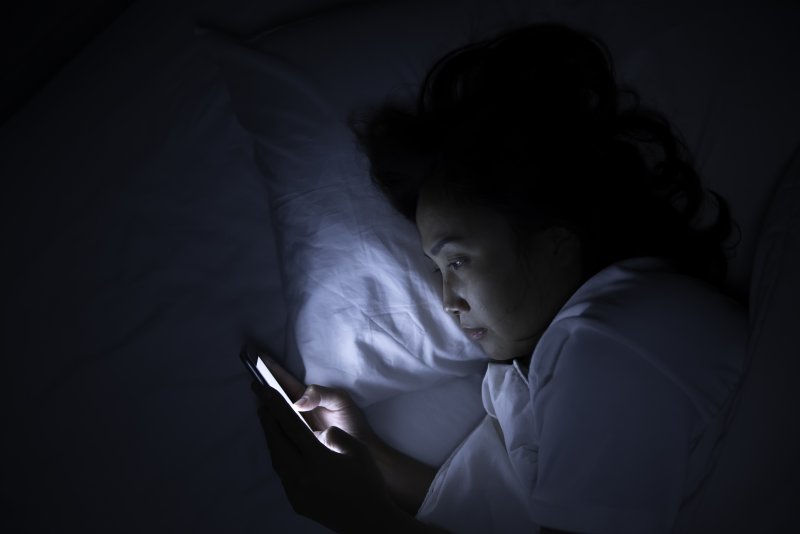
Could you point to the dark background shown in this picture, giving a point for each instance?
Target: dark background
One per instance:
(39, 37)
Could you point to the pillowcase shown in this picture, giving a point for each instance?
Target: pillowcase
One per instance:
(363, 303)
(364, 310)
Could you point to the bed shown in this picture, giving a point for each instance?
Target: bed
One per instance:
(186, 183)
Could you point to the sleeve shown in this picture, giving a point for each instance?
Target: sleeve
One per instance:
(615, 432)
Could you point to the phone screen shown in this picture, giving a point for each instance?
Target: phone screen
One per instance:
(266, 376)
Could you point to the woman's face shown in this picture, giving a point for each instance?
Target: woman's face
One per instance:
(502, 292)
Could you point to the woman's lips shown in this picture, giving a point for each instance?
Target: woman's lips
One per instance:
(475, 333)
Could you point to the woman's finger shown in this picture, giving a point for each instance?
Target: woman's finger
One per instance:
(288, 420)
(316, 396)
(340, 441)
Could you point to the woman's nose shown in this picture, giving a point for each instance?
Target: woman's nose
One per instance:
(452, 301)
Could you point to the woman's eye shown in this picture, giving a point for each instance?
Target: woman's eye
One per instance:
(453, 265)
(456, 265)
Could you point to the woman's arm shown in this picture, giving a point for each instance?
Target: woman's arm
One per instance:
(407, 479)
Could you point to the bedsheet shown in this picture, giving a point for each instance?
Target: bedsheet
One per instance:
(139, 254)
(139, 257)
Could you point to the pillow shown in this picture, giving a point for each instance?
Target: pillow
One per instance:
(364, 306)
(364, 313)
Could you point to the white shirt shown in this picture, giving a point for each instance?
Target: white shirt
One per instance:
(614, 425)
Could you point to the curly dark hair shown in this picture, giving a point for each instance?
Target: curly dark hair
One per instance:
(532, 124)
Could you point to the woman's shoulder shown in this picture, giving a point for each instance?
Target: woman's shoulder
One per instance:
(667, 325)
(646, 296)
(650, 285)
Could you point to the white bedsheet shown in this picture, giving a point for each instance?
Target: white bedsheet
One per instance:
(138, 254)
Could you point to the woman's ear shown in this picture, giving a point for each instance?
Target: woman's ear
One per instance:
(560, 237)
(566, 245)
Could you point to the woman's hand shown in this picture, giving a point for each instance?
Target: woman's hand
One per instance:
(330, 478)
(347, 479)
(324, 407)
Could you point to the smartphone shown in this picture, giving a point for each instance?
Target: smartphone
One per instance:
(260, 372)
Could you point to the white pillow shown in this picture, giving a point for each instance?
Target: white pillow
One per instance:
(364, 305)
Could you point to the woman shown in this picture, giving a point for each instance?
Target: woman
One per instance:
(574, 245)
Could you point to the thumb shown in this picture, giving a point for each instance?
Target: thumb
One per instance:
(340, 441)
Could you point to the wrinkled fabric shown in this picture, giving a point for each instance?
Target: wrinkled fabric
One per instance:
(616, 422)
